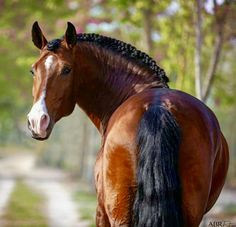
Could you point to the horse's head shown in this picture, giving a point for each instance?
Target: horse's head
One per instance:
(53, 85)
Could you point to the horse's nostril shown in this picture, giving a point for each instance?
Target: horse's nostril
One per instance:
(44, 118)
(31, 124)
(44, 121)
(28, 124)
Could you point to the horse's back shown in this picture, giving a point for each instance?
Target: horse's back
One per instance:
(203, 155)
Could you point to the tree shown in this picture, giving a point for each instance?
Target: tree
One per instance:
(179, 35)
(220, 13)
(198, 49)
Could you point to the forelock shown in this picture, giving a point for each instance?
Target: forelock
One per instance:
(54, 44)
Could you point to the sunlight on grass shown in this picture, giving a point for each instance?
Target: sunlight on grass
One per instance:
(24, 208)
(230, 209)
(87, 206)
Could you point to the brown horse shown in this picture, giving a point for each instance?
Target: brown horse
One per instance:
(163, 159)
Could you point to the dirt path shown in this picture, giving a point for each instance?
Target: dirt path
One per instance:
(226, 197)
(6, 188)
(12, 167)
(60, 209)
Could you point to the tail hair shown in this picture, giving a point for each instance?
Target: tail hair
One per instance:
(158, 197)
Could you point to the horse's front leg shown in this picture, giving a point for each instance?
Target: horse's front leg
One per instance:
(119, 184)
(101, 216)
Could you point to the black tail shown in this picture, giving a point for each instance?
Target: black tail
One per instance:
(158, 199)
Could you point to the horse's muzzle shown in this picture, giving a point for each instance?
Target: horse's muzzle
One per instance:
(37, 136)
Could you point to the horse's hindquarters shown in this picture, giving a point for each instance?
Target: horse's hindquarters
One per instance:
(203, 159)
(219, 173)
(198, 159)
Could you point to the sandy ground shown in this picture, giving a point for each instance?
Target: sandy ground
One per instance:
(226, 197)
(6, 187)
(60, 209)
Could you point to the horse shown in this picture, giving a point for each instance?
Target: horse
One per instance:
(163, 158)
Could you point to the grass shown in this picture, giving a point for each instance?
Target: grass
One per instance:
(87, 206)
(228, 213)
(230, 209)
(24, 208)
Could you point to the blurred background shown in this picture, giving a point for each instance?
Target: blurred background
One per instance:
(194, 41)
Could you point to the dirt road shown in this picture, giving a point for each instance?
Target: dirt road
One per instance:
(60, 209)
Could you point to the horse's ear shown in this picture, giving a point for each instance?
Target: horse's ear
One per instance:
(70, 35)
(37, 36)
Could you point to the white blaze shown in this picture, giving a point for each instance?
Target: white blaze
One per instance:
(38, 116)
(48, 63)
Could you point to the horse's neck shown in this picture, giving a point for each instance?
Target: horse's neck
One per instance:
(104, 83)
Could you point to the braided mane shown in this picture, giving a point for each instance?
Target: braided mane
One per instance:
(126, 50)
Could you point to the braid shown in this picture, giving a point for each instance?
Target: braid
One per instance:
(126, 50)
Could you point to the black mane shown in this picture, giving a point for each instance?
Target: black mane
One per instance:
(126, 50)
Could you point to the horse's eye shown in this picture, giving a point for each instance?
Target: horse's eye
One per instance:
(32, 72)
(65, 71)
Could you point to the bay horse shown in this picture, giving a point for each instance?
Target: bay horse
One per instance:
(163, 158)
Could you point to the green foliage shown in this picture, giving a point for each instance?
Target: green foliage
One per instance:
(17, 55)
(178, 43)
(230, 209)
(172, 40)
(24, 208)
(172, 35)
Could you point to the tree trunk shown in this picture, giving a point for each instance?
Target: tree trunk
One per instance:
(221, 13)
(198, 50)
(213, 66)
(147, 20)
